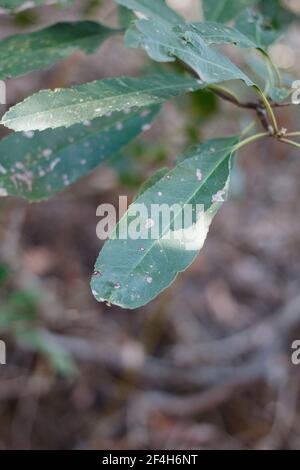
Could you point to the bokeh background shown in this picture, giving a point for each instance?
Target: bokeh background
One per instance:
(207, 365)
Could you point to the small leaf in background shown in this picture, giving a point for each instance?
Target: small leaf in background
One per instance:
(37, 166)
(278, 13)
(166, 44)
(19, 307)
(24, 53)
(257, 29)
(259, 66)
(156, 10)
(127, 173)
(224, 10)
(134, 162)
(279, 94)
(204, 104)
(125, 16)
(262, 70)
(270, 80)
(64, 107)
(129, 272)
(45, 344)
(4, 273)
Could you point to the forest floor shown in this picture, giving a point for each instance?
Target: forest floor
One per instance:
(207, 364)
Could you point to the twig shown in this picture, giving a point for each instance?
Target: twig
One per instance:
(290, 142)
(278, 325)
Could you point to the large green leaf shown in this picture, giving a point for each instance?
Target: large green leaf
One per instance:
(64, 107)
(38, 165)
(255, 27)
(130, 272)
(152, 9)
(165, 43)
(224, 10)
(24, 53)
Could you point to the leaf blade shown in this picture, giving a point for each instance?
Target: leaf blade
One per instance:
(216, 33)
(129, 273)
(154, 9)
(64, 107)
(224, 10)
(254, 27)
(166, 44)
(37, 166)
(23, 53)
(23, 4)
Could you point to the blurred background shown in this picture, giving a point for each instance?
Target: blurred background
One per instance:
(207, 365)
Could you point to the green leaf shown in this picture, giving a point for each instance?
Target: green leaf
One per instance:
(21, 306)
(24, 53)
(224, 10)
(152, 9)
(64, 107)
(155, 49)
(272, 89)
(152, 180)
(5, 272)
(37, 166)
(14, 4)
(215, 33)
(125, 16)
(278, 94)
(43, 342)
(165, 44)
(260, 67)
(131, 272)
(277, 14)
(255, 27)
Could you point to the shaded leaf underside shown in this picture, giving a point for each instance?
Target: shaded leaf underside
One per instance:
(38, 165)
(23, 53)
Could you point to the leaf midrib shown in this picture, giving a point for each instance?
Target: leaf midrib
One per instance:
(86, 103)
(193, 55)
(220, 34)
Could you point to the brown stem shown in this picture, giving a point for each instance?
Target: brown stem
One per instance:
(264, 118)
(231, 99)
(282, 105)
